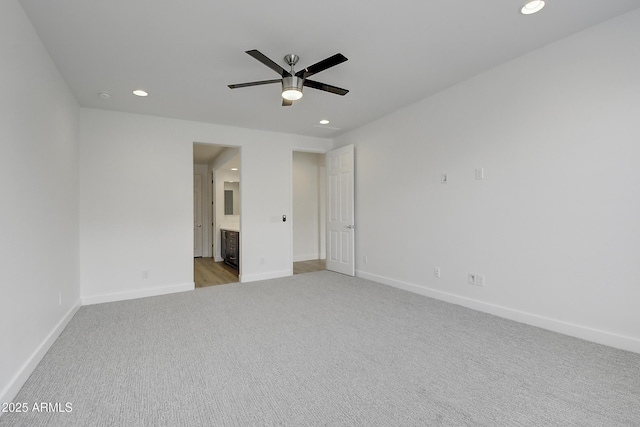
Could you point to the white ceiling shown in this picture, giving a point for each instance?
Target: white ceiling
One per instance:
(185, 53)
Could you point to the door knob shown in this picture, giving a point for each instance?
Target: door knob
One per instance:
(350, 227)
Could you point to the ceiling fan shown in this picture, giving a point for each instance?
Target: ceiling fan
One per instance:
(292, 82)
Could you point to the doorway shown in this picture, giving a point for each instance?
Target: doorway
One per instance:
(218, 167)
(309, 212)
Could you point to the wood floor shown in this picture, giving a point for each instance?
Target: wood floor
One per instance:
(309, 266)
(207, 272)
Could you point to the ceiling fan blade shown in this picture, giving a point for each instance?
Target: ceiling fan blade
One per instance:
(286, 103)
(269, 63)
(327, 88)
(334, 60)
(261, 82)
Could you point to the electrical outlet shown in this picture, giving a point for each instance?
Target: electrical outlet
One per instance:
(365, 259)
(443, 178)
(480, 173)
(436, 272)
(479, 280)
(145, 274)
(472, 279)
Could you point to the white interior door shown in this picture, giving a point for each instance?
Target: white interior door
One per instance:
(340, 214)
(197, 215)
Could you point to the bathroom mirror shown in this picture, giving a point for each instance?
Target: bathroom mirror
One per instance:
(231, 198)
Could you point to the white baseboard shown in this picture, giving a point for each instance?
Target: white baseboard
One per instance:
(18, 380)
(245, 278)
(138, 293)
(566, 328)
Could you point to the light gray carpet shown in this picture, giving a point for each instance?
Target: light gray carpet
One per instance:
(322, 349)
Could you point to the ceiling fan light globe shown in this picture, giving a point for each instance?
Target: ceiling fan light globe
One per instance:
(292, 94)
(292, 88)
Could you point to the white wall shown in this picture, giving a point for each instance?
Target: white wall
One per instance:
(308, 206)
(133, 207)
(265, 196)
(554, 226)
(136, 202)
(39, 201)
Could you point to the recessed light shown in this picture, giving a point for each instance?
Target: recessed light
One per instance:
(532, 6)
(324, 122)
(105, 95)
(140, 92)
(234, 169)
